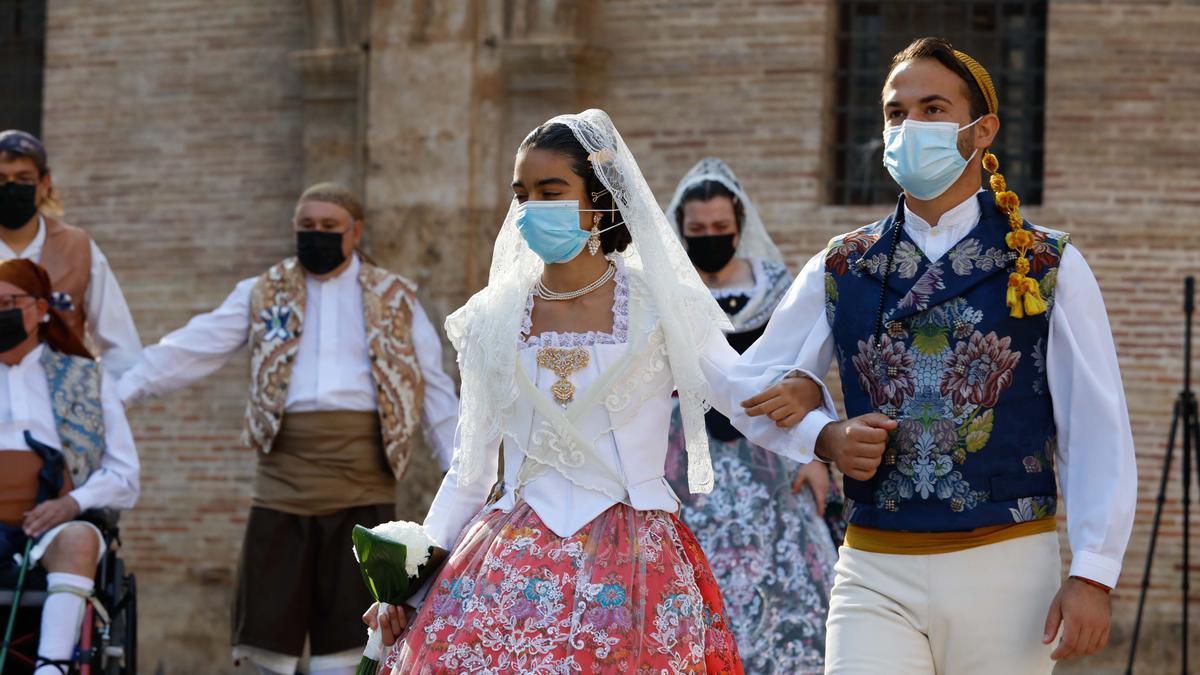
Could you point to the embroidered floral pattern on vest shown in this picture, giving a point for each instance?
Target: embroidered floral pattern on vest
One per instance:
(388, 308)
(277, 313)
(965, 382)
(78, 410)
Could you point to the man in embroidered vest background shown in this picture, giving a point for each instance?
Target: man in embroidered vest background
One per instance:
(976, 359)
(345, 367)
(59, 415)
(85, 290)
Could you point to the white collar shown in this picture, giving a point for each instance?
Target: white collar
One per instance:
(39, 240)
(32, 357)
(965, 214)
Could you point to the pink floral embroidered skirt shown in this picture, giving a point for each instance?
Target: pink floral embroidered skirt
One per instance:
(631, 592)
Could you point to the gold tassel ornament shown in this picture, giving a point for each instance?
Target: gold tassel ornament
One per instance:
(1024, 296)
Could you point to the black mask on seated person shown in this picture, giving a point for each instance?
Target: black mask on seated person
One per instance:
(319, 252)
(12, 328)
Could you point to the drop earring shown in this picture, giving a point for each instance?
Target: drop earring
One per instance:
(593, 243)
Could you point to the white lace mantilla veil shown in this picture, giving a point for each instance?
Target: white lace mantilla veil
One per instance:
(754, 242)
(485, 330)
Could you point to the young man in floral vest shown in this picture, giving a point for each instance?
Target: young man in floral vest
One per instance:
(976, 360)
(345, 367)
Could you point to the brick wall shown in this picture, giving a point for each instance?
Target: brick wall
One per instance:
(1120, 177)
(174, 130)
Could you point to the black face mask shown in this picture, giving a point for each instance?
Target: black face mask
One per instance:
(18, 204)
(12, 329)
(711, 254)
(319, 252)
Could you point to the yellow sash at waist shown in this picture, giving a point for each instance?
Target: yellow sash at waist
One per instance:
(930, 543)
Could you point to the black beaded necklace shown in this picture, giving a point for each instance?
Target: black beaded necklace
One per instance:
(897, 225)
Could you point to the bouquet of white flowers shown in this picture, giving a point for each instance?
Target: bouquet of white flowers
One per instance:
(395, 558)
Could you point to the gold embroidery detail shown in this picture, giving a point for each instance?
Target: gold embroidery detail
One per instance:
(562, 362)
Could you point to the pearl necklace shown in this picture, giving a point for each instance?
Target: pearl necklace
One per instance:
(546, 294)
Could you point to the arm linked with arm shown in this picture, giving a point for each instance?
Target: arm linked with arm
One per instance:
(797, 341)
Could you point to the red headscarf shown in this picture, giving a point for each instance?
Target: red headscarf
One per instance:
(34, 280)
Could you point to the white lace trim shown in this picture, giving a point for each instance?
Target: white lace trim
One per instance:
(634, 388)
(733, 291)
(752, 290)
(618, 336)
(771, 283)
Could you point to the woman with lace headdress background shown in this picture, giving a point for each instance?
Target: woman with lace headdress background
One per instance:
(591, 318)
(761, 527)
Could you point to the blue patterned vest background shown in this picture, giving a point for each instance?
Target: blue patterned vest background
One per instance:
(78, 411)
(966, 382)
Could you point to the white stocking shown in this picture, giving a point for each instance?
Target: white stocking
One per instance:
(61, 616)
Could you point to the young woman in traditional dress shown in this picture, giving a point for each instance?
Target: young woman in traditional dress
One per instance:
(591, 319)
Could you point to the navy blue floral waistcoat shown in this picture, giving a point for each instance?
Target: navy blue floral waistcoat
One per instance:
(966, 382)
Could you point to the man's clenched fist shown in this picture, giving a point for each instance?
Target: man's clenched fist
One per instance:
(856, 445)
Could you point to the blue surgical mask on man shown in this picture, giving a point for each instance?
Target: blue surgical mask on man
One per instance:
(923, 157)
(551, 229)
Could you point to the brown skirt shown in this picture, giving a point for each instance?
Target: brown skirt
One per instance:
(297, 578)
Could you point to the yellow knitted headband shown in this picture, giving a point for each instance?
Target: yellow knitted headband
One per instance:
(983, 79)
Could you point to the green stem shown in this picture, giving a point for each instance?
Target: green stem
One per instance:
(12, 615)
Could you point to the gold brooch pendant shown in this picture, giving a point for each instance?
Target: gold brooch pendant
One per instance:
(563, 362)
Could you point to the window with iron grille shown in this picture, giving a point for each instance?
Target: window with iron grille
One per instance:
(22, 59)
(1007, 36)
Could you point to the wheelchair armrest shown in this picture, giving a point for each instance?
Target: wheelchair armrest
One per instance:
(105, 519)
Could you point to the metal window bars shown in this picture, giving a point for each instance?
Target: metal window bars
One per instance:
(1007, 36)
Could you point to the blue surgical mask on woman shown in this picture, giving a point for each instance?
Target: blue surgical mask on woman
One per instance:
(551, 229)
(923, 157)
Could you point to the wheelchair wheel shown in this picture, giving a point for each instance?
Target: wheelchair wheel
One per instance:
(130, 620)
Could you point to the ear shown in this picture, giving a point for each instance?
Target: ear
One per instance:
(44, 186)
(356, 233)
(41, 309)
(985, 131)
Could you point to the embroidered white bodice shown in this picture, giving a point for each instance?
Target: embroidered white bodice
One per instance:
(609, 444)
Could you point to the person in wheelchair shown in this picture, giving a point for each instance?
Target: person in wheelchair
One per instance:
(57, 407)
